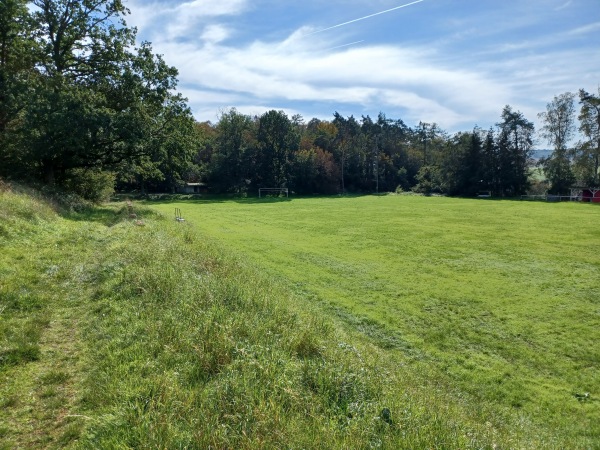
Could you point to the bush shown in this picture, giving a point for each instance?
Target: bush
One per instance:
(64, 201)
(538, 187)
(427, 179)
(90, 184)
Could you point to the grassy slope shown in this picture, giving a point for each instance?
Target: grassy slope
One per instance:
(500, 297)
(137, 333)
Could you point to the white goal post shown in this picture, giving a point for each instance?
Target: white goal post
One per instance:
(265, 191)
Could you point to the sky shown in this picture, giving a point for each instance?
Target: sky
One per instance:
(453, 62)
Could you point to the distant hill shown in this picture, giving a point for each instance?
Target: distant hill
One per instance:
(541, 153)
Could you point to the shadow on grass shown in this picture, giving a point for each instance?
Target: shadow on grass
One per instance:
(251, 200)
(165, 199)
(20, 355)
(117, 210)
(113, 213)
(101, 214)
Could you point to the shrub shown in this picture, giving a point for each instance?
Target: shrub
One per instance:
(91, 184)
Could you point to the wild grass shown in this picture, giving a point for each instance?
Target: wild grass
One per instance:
(195, 349)
(496, 300)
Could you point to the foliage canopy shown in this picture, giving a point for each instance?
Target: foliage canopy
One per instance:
(85, 98)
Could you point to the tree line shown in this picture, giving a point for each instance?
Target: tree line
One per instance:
(84, 107)
(242, 153)
(365, 155)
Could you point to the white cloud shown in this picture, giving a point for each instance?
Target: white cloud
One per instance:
(165, 22)
(585, 29)
(563, 6)
(215, 33)
(211, 8)
(440, 82)
(213, 113)
(377, 77)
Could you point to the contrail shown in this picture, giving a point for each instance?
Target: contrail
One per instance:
(346, 45)
(365, 17)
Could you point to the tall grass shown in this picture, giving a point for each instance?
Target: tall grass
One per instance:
(195, 349)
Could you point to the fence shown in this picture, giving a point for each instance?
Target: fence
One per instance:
(552, 198)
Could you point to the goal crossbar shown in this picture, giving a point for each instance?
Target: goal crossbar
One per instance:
(262, 191)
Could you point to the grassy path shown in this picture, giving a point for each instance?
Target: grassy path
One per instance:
(39, 397)
(41, 346)
(45, 266)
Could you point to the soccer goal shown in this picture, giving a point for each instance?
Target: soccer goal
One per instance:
(267, 191)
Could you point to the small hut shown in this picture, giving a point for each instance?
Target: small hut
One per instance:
(193, 188)
(586, 194)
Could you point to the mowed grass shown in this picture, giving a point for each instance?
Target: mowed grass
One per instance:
(500, 300)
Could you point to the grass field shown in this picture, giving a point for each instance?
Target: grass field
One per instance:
(500, 298)
(368, 322)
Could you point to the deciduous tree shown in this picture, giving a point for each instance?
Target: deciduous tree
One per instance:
(233, 163)
(587, 155)
(558, 129)
(17, 76)
(278, 140)
(94, 101)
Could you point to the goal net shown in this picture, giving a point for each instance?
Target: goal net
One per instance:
(270, 191)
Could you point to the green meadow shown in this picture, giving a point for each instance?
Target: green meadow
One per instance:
(500, 299)
(356, 322)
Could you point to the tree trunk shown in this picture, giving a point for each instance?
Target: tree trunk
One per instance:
(48, 171)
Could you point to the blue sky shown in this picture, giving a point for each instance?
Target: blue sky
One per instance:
(453, 62)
